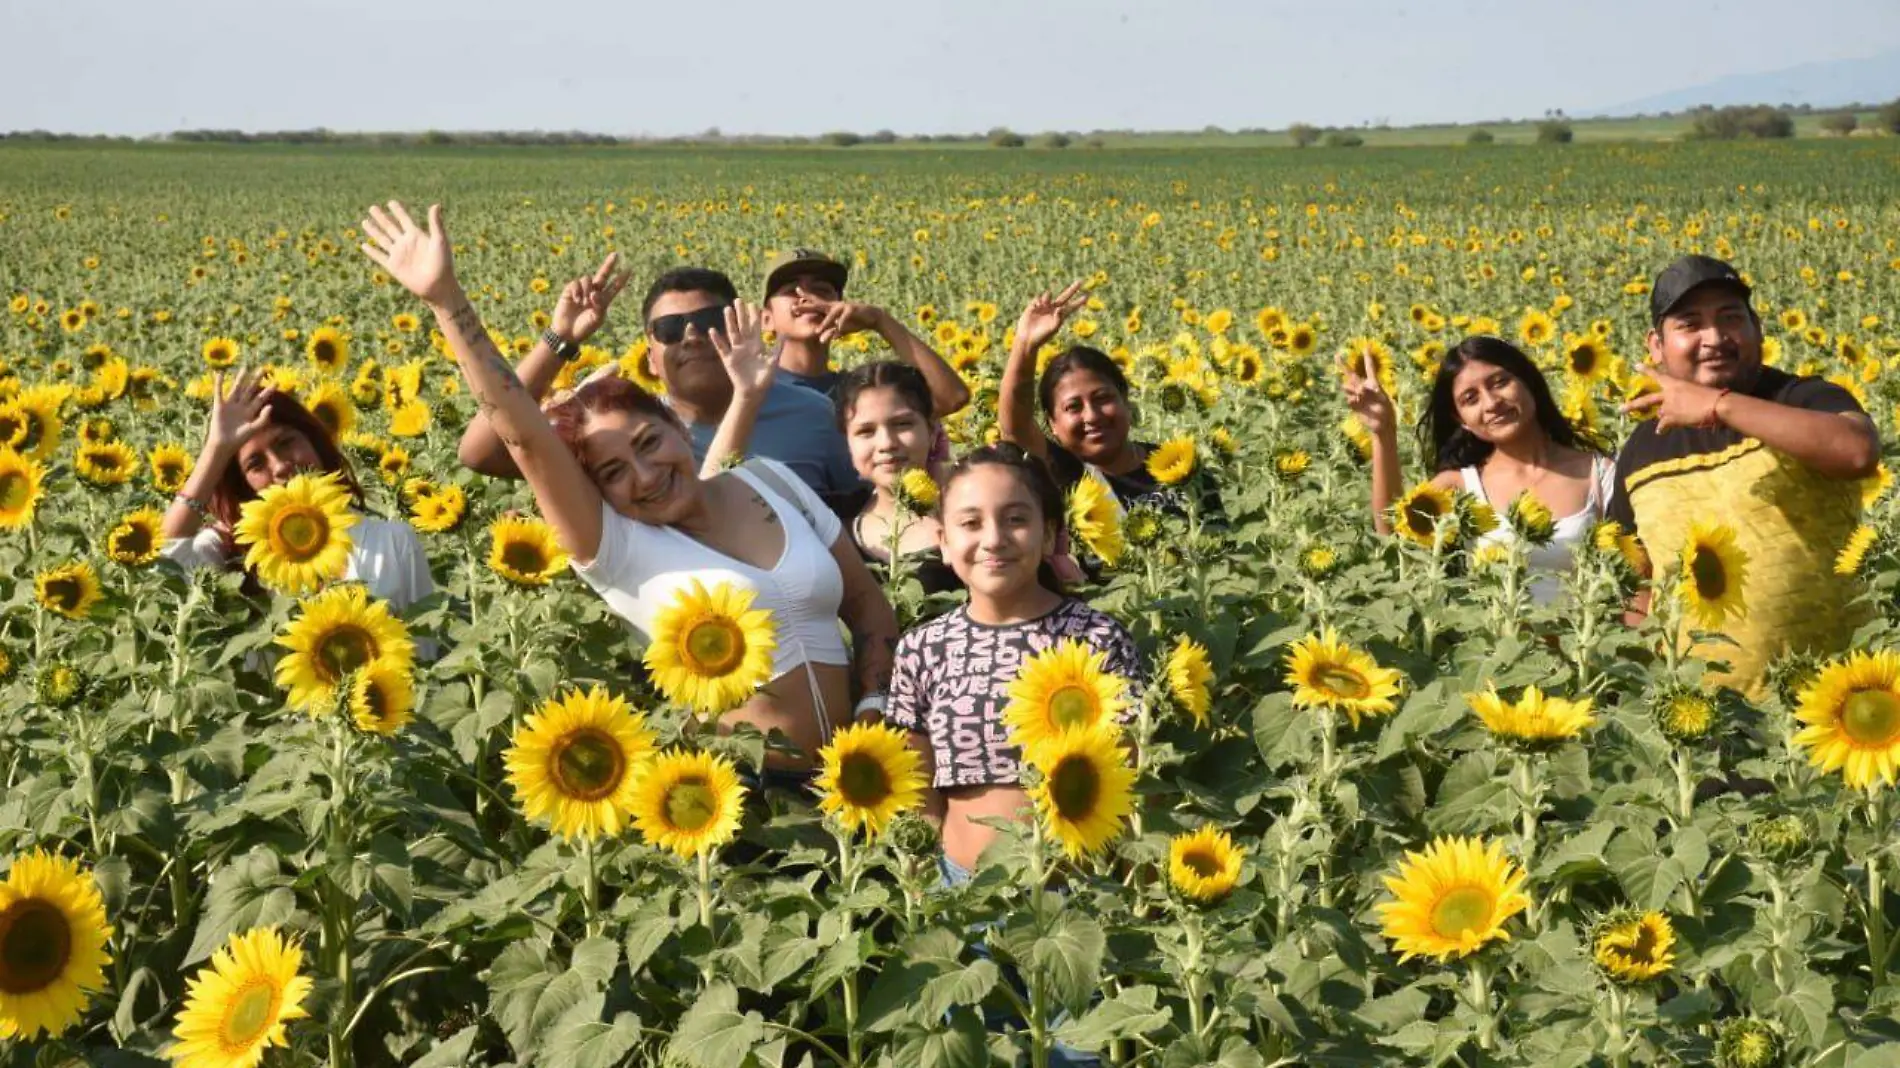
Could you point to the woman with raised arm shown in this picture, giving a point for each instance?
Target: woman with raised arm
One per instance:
(1494, 431)
(257, 438)
(612, 472)
(1085, 397)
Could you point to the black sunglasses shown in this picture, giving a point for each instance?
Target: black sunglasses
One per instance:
(671, 329)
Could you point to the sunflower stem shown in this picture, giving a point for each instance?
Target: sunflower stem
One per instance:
(1197, 1013)
(1480, 990)
(705, 889)
(1530, 796)
(338, 908)
(590, 888)
(1038, 992)
(1685, 786)
(1876, 889)
(848, 983)
(894, 538)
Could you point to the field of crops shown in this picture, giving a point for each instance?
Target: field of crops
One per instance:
(1664, 915)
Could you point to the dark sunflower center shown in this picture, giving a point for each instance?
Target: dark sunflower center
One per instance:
(714, 647)
(327, 414)
(300, 533)
(1341, 681)
(15, 489)
(34, 429)
(1201, 862)
(375, 703)
(345, 649)
(1464, 909)
(1583, 359)
(1421, 515)
(1071, 706)
(863, 781)
(588, 764)
(64, 593)
(134, 539)
(13, 429)
(1710, 577)
(324, 351)
(524, 557)
(690, 804)
(35, 944)
(251, 1013)
(1871, 717)
(1075, 786)
(1644, 948)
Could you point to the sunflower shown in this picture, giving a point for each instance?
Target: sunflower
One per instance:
(328, 349)
(1851, 712)
(236, 1007)
(298, 533)
(1714, 573)
(917, 492)
(1853, 555)
(1290, 464)
(171, 465)
(688, 802)
(1319, 561)
(20, 486)
(1204, 865)
(441, 511)
(1685, 716)
(393, 464)
(1531, 519)
(410, 419)
(332, 406)
(1747, 1042)
(97, 431)
(1586, 358)
(53, 937)
(1302, 339)
(1086, 788)
(1173, 461)
(382, 698)
(339, 631)
(108, 463)
(1452, 897)
(137, 538)
(1417, 515)
(574, 763)
(219, 352)
(870, 775)
(710, 650)
(1064, 687)
(1536, 328)
(1634, 947)
(1191, 677)
(69, 589)
(1141, 527)
(525, 551)
(1534, 720)
(634, 368)
(1328, 673)
(1095, 518)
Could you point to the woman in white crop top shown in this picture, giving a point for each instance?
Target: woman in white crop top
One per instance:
(618, 483)
(257, 438)
(1493, 430)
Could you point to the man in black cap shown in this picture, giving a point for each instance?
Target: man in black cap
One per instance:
(1774, 457)
(805, 307)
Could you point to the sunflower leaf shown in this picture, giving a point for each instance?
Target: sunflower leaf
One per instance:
(1131, 1012)
(713, 1033)
(579, 1039)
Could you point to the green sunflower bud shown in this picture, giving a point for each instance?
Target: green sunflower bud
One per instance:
(1782, 839)
(1746, 1042)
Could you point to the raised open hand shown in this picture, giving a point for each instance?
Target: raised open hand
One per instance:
(416, 257)
(582, 309)
(1044, 316)
(841, 317)
(1366, 397)
(742, 349)
(237, 416)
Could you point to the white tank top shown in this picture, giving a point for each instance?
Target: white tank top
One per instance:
(1548, 563)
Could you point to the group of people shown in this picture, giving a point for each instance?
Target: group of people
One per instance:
(648, 493)
(1773, 457)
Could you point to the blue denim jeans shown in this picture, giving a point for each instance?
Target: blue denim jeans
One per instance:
(998, 1020)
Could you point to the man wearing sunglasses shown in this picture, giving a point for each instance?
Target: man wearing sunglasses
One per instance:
(805, 307)
(683, 307)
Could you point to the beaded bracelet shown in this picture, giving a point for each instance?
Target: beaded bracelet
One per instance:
(194, 504)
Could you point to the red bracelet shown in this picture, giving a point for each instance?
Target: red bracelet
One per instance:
(1715, 419)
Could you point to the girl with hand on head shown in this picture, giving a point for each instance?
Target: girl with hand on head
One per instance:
(257, 438)
(1492, 430)
(613, 473)
(1001, 514)
(887, 416)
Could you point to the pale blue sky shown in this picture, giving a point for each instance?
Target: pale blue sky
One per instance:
(639, 67)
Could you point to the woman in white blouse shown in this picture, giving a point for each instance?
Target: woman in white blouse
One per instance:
(258, 438)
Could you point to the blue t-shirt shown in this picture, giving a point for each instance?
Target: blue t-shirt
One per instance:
(796, 427)
(825, 384)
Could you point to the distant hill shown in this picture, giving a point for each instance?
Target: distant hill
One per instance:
(1873, 80)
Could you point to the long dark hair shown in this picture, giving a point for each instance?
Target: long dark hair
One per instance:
(908, 381)
(1443, 434)
(1035, 477)
(232, 493)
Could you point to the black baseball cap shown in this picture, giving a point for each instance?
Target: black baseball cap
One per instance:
(1687, 274)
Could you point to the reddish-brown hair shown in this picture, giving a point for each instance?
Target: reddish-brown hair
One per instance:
(232, 492)
(600, 396)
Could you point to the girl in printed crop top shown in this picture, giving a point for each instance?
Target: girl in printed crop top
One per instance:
(1001, 513)
(613, 473)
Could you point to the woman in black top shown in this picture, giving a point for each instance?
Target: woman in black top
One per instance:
(885, 412)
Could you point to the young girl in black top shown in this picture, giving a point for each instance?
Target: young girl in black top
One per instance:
(888, 421)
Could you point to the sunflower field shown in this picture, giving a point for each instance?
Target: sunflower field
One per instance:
(1375, 807)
